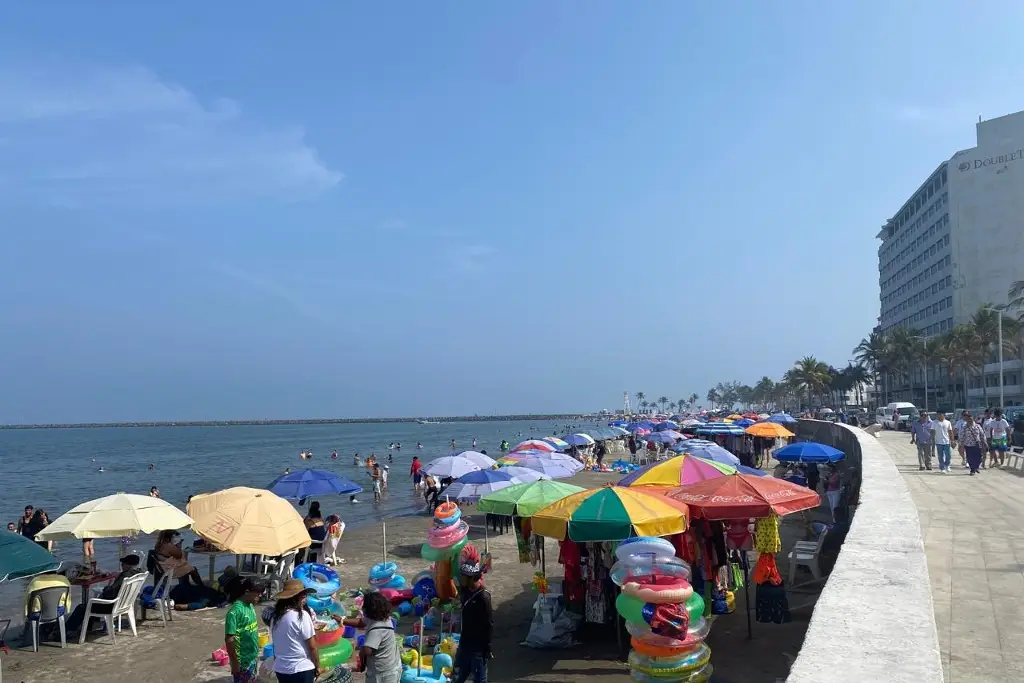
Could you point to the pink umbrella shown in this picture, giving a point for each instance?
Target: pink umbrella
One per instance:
(533, 445)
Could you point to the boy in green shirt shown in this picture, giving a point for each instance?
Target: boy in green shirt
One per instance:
(241, 630)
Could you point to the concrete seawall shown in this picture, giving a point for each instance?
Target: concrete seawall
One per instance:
(874, 621)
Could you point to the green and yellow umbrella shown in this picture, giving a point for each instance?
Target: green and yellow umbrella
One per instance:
(611, 513)
(523, 500)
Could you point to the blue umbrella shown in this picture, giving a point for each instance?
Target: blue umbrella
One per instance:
(667, 424)
(619, 431)
(782, 419)
(745, 422)
(579, 440)
(471, 487)
(667, 436)
(743, 469)
(707, 450)
(720, 428)
(808, 451)
(304, 483)
(21, 557)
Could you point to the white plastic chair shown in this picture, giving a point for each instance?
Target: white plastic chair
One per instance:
(121, 606)
(162, 597)
(807, 554)
(277, 570)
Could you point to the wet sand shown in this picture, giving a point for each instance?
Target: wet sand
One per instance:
(181, 652)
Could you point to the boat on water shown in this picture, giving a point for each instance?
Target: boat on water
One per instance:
(427, 422)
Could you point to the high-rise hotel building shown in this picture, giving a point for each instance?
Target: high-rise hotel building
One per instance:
(957, 244)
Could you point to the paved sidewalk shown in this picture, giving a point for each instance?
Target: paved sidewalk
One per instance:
(973, 529)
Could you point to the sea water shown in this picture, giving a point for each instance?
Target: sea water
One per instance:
(56, 469)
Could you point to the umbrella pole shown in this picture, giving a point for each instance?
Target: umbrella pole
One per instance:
(543, 557)
(746, 593)
(419, 647)
(384, 542)
(485, 534)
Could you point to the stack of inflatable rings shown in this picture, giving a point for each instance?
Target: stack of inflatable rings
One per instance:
(385, 575)
(320, 578)
(448, 534)
(652, 577)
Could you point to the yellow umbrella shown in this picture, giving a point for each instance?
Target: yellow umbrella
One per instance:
(735, 416)
(769, 430)
(248, 521)
(611, 513)
(122, 514)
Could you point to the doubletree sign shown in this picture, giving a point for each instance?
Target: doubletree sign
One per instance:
(998, 160)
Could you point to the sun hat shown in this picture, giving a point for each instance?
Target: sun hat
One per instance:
(293, 587)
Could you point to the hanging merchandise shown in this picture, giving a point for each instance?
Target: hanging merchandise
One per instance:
(445, 541)
(772, 605)
(663, 613)
(521, 527)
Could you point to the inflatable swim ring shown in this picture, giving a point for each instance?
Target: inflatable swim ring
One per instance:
(442, 537)
(658, 588)
(382, 572)
(445, 510)
(638, 565)
(432, 554)
(320, 578)
(318, 604)
(446, 521)
(658, 646)
(684, 663)
(335, 654)
(702, 675)
(397, 582)
(652, 546)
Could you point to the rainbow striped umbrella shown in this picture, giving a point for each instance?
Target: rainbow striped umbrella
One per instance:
(556, 442)
(611, 513)
(678, 471)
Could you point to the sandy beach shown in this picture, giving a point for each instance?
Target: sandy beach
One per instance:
(181, 652)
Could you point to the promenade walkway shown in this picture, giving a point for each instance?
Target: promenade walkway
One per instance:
(973, 529)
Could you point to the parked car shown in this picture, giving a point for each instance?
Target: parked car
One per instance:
(897, 415)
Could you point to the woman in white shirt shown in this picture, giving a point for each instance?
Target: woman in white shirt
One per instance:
(295, 655)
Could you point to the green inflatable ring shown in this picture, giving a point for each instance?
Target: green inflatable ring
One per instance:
(335, 654)
(432, 554)
(632, 608)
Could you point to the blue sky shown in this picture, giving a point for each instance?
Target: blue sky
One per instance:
(229, 210)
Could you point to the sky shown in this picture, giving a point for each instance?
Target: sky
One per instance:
(235, 211)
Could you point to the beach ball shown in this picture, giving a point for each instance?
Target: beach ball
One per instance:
(405, 608)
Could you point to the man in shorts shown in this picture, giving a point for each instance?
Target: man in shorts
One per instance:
(997, 430)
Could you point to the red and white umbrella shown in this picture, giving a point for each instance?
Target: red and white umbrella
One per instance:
(533, 445)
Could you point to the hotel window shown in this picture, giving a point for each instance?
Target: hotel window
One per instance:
(942, 326)
(949, 302)
(949, 280)
(945, 241)
(935, 309)
(946, 261)
(942, 305)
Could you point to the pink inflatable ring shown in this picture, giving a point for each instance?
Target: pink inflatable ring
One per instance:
(442, 537)
(658, 589)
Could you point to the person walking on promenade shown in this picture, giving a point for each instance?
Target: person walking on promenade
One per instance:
(958, 429)
(973, 439)
(921, 434)
(942, 432)
(833, 487)
(997, 430)
(983, 423)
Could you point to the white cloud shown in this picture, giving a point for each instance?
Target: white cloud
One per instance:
(471, 258)
(83, 136)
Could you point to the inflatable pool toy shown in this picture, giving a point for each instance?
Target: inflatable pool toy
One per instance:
(396, 595)
(445, 510)
(640, 565)
(432, 554)
(382, 572)
(329, 637)
(655, 547)
(423, 588)
(439, 663)
(686, 663)
(320, 604)
(444, 536)
(659, 589)
(451, 519)
(397, 582)
(634, 609)
(319, 577)
(335, 654)
(695, 634)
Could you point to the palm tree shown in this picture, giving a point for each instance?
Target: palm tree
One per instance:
(960, 350)
(810, 374)
(712, 397)
(858, 376)
(929, 354)
(1015, 299)
(986, 326)
(872, 352)
(640, 402)
(903, 343)
(663, 401)
(693, 399)
(763, 390)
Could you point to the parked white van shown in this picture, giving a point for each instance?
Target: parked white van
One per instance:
(897, 415)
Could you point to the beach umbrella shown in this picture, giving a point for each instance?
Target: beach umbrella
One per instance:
(523, 500)
(707, 450)
(556, 442)
(248, 521)
(745, 422)
(741, 496)
(771, 430)
(21, 557)
(309, 482)
(481, 460)
(641, 431)
(667, 424)
(610, 513)
(677, 471)
(808, 451)
(525, 474)
(619, 431)
(566, 460)
(114, 516)
(735, 416)
(664, 437)
(783, 418)
(450, 466)
(552, 468)
(533, 445)
(692, 422)
(579, 440)
(720, 428)
(470, 487)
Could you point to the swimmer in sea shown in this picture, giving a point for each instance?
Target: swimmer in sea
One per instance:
(100, 469)
(474, 444)
(390, 458)
(334, 455)
(452, 444)
(419, 445)
(152, 466)
(352, 499)
(355, 460)
(398, 445)
(287, 470)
